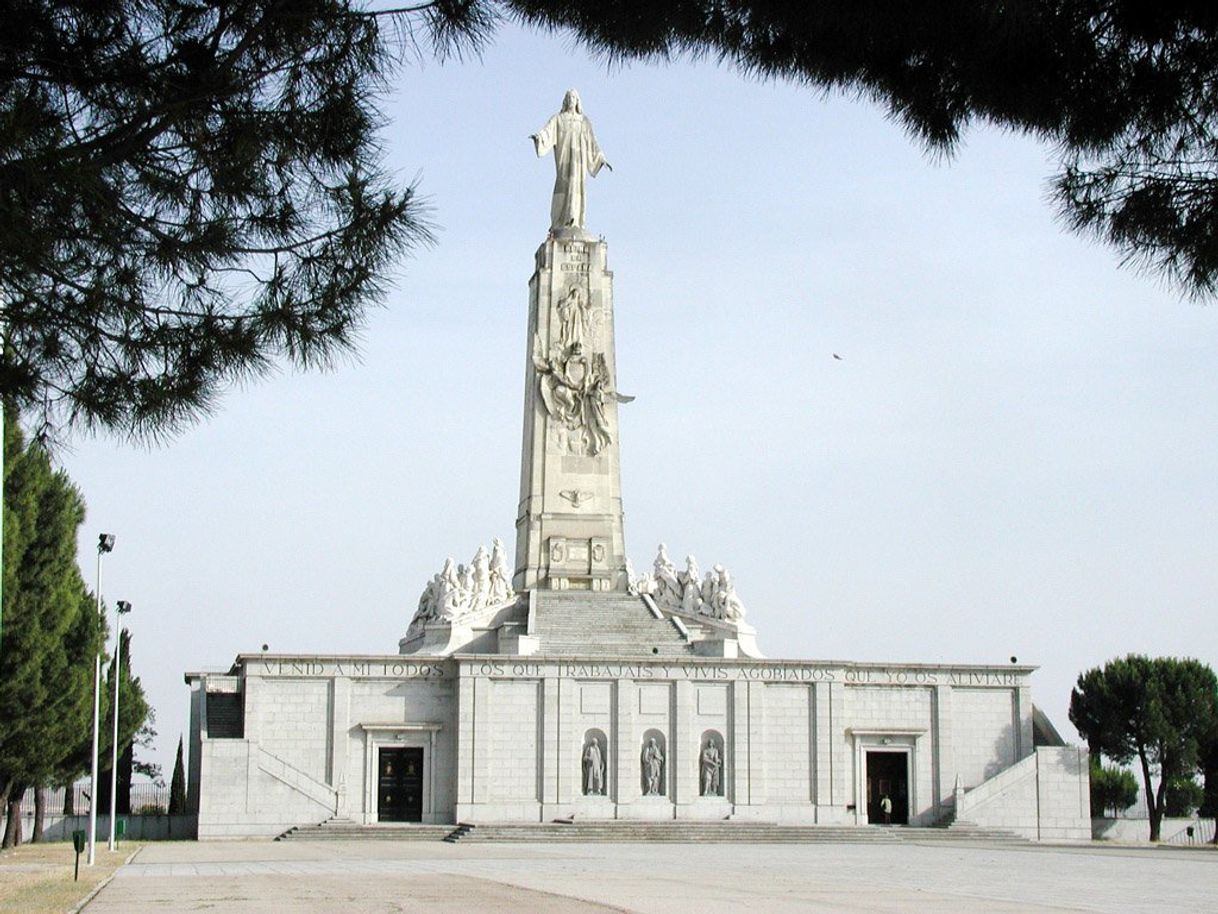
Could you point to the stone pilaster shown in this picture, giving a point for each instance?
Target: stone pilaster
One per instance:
(944, 748)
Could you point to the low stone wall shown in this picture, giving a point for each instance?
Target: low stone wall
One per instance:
(139, 828)
(1137, 831)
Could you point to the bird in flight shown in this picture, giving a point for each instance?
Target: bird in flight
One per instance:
(838, 357)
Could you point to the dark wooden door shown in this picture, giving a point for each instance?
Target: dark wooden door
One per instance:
(400, 785)
(888, 776)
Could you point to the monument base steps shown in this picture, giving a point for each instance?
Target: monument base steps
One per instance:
(688, 832)
(609, 625)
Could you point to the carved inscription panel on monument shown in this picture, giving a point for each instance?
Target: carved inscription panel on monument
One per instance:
(753, 672)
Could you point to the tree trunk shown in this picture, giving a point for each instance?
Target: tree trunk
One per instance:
(102, 789)
(40, 809)
(126, 762)
(12, 827)
(69, 800)
(1154, 804)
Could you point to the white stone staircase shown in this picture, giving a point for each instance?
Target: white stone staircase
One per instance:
(603, 624)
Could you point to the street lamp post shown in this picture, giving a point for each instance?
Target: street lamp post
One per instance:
(123, 608)
(105, 543)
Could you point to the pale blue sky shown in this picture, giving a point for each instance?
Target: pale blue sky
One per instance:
(1015, 455)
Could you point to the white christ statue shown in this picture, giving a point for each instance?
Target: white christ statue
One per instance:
(576, 154)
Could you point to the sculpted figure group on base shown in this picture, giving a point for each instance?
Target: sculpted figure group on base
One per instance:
(459, 590)
(681, 591)
(574, 385)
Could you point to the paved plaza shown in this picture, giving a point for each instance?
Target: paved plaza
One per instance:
(379, 876)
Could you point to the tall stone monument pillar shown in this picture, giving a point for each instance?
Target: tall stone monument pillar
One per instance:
(569, 524)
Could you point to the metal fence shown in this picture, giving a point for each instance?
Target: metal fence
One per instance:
(146, 799)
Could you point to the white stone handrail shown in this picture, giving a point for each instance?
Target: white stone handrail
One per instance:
(322, 794)
(977, 797)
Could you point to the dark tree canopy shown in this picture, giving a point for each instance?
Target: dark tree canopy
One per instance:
(189, 192)
(1158, 711)
(1127, 90)
(1113, 790)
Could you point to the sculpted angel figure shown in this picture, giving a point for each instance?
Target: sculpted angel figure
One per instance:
(480, 572)
(667, 589)
(576, 155)
(575, 390)
(501, 577)
(733, 608)
(429, 602)
(449, 596)
(691, 592)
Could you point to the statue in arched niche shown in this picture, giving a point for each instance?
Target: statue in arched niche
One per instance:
(653, 768)
(594, 769)
(712, 769)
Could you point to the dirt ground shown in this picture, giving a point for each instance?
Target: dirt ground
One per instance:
(37, 878)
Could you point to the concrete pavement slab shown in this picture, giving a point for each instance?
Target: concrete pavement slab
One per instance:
(377, 876)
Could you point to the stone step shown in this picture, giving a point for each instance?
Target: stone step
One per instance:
(627, 831)
(682, 832)
(957, 831)
(603, 625)
(348, 830)
(609, 648)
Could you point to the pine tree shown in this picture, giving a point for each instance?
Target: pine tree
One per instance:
(1158, 711)
(189, 193)
(1125, 91)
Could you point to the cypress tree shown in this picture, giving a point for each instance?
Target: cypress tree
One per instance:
(133, 712)
(177, 785)
(51, 628)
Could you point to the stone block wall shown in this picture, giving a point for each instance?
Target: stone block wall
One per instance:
(1044, 797)
(787, 745)
(291, 719)
(515, 742)
(986, 733)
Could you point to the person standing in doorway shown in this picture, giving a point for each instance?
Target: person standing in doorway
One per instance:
(886, 808)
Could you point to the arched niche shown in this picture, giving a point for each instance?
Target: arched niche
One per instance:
(712, 765)
(594, 763)
(653, 764)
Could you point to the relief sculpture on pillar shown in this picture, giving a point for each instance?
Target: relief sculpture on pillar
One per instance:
(575, 387)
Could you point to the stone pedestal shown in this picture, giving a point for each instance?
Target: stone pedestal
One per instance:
(569, 523)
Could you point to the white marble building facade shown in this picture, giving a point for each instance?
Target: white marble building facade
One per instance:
(504, 738)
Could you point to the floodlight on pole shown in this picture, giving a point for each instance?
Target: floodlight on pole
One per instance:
(105, 543)
(123, 607)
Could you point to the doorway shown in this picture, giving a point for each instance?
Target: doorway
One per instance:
(400, 784)
(888, 776)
